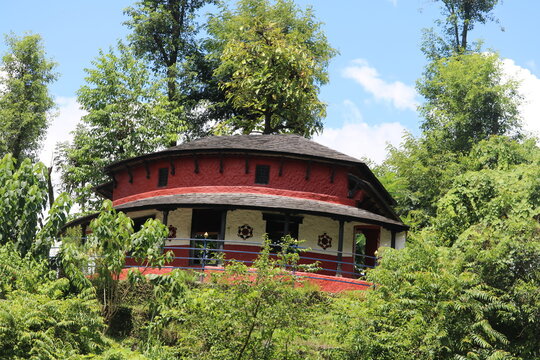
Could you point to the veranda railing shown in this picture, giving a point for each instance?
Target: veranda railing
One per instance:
(202, 253)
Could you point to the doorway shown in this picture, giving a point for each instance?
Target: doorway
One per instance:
(366, 242)
(206, 238)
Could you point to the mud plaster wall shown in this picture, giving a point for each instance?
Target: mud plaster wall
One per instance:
(181, 220)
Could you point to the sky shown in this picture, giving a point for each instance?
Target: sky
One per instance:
(371, 95)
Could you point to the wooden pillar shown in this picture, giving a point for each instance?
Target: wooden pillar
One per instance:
(393, 239)
(286, 225)
(223, 226)
(165, 217)
(340, 248)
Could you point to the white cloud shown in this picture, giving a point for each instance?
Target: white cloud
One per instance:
(394, 2)
(69, 114)
(397, 93)
(359, 139)
(530, 90)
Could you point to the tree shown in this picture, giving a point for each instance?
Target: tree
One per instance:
(467, 100)
(460, 17)
(25, 102)
(241, 315)
(482, 242)
(164, 34)
(39, 317)
(417, 174)
(466, 302)
(110, 242)
(272, 60)
(500, 184)
(23, 201)
(127, 116)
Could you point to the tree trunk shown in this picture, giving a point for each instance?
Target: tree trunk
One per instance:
(268, 123)
(50, 187)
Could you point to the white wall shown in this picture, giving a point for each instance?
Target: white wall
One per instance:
(400, 239)
(310, 229)
(253, 218)
(181, 220)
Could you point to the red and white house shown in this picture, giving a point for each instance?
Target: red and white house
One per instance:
(228, 191)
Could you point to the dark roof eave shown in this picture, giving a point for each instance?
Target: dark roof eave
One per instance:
(264, 202)
(389, 226)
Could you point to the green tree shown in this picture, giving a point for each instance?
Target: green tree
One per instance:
(25, 102)
(241, 315)
(467, 99)
(483, 237)
(127, 116)
(23, 201)
(500, 184)
(430, 302)
(39, 317)
(417, 177)
(460, 17)
(272, 60)
(106, 249)
(164, 33)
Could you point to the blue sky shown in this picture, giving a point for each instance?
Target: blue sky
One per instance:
(371, 98)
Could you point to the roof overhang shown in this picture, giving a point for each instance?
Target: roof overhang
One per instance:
(263, 202)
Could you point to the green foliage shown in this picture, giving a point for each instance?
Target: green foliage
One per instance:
(111, 240)
(18, 273)
(426, 305)
(488, 197)
(25, 102)
(502, 153)
(39, 319)
(272, 60)
(127, 116)
(23, 200)
(508, 260)
(474, 264)
(460, 17)
(41, 326)
(417, 177)
(164, 33)
(467, 100)
(258, 313)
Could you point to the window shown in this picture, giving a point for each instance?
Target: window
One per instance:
(163, 177)
(139, 222)
(277, 226)
(262, 174)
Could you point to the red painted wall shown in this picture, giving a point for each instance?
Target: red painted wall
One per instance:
(292, 182)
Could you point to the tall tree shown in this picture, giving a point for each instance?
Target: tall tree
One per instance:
(25, 101)
(468, 99)
(272, 60)
(128, 115)
(460, 17)
(164, 34)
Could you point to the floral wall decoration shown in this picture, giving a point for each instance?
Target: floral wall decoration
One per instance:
(245, 231)
(325, 241)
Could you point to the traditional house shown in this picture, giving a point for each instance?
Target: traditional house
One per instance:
(224, 193)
